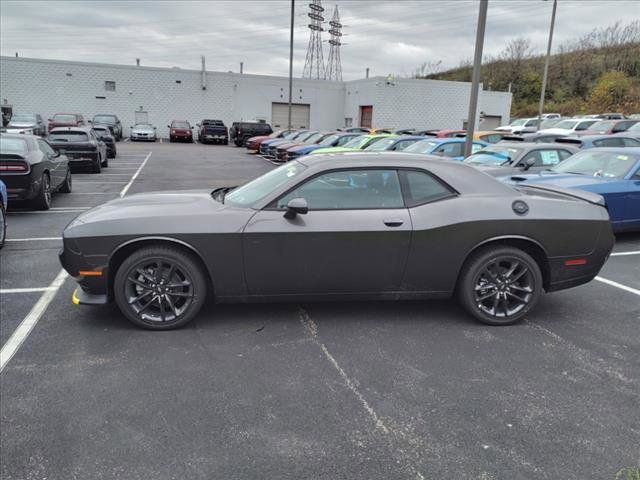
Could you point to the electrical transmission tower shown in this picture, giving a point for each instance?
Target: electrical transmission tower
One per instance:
(334, 65)
(314, 63)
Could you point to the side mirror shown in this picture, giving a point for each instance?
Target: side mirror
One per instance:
(55, 154)
(529, 163)
(296, 206)
(168, 126)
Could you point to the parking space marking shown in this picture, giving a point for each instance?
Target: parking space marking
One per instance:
(620, 254)
(24, 329)
(126, 140)
(25, 290)
(44, 212)
(92, 193)
(33, 239)
(80, 180)
(70, 208)
(102, 174)
(618, 285)
(161, 140)
(29, 322)
(135, 175)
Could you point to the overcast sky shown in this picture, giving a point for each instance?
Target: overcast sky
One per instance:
(392, 36)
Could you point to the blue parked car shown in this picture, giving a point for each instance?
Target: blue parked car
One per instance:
(3, 211)
(336, 140)
(613, 173)
(452, 148)
(393, 144)
(598, 141)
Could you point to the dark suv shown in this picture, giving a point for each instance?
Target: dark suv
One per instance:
(112, 120)
(240, 132)
(213, 131)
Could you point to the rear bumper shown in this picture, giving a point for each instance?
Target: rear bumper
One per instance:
(563, 276)
(21, 187)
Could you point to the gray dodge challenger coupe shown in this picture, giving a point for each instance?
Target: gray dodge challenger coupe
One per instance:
(347, 226)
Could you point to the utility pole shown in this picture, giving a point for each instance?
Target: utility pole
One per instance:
(546, 64)
(289, 125)
(475, 79)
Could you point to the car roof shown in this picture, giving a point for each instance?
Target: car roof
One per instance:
(71, 129)
(461, 176)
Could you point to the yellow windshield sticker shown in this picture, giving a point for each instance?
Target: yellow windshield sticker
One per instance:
(622, 157)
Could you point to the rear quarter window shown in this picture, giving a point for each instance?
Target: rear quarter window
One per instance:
(421, 187)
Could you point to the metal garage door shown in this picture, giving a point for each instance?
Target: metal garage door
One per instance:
(300, 114)
(489, 122)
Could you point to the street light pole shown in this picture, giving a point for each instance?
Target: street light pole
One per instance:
(289, 126)
(546, 64)
(475, 79)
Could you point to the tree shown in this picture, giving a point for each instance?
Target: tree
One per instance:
(614, 90)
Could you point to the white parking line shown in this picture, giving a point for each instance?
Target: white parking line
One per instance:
(102, 174)
(26, 326)
(25, 290)
(69, 208)
(135, 175)
(93, 193)
(33, 239)
(618, 285)
(126, 140)
(93, 181)
(44, 212)
(24, 329)
(621, 254)
(160, 140)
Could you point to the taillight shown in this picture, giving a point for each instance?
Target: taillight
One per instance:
(16, 167)
(173, 130)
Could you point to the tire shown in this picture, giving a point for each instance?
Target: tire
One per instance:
(499, 285)
(105, 162)
(43, 198)
(112, 154)
(3, 225)
(97, 166)
(67, 184)
(137, 279)
(225, 142)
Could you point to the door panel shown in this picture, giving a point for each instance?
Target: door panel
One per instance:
(326, 251)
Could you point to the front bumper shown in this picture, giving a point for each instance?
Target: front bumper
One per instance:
(90, 272)
(143, 137)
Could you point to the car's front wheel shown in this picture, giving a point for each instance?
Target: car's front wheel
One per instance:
(500, 285)
(160, 288)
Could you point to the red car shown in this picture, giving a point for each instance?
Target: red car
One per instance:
(66, 120)
(253, 144)
(443, 133)
(180, 130)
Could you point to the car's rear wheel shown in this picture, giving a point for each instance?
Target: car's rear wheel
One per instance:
(105, 161)
(43, 198)
(97, 165)
(500, 285)
(67, 184)
(160, 288)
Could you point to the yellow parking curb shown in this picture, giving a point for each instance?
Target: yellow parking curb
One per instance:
(74, 298)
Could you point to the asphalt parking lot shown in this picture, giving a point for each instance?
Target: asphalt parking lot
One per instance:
(379, 390)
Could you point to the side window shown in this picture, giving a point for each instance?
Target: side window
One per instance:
(630, 142)
(609, 142)
(449, 150)
(475, 147)
(549, 158)
(421, 188)
(492, 138)
(343, 140)
(45, 147)
(535, 155)
(402, 145)
(564, 154)
(349, 189)
(584, 125)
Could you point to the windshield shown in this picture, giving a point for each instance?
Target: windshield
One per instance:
(12, 145)
(328, 141)
(634, 128)
(291, 136)
(423, 146)
(22, 119)
(517, 123)
(102, 130)
(603, 126)
(306, 136)
(495, 155)
(64, 118)
(104, 119)
(568, 124)
(550, 122)
(598, 164)
(68, 137)
(357, 142)
(180, 125)
(143, 126)
(248, 194)
(380, 145)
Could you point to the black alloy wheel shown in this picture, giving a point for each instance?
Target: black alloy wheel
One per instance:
(43, 198)
(67, 184)
(160, 288)
(500, 285)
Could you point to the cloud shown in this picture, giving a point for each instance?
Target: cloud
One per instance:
(387, 36)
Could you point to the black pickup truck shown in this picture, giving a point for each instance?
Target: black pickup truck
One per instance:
(213, 131)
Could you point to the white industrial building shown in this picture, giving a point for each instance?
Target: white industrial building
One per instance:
(163, 94)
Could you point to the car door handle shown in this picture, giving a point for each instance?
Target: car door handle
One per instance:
(393, 222)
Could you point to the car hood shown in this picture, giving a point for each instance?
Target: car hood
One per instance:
(142, 130)
(21, 125)
(558, 131)
(158, 213)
